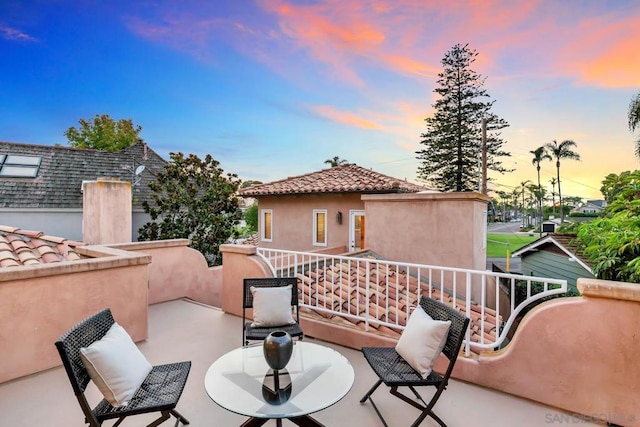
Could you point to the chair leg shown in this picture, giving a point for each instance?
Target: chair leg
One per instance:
(371, 390)
(375, 407)
(179, 417)
(164, 417)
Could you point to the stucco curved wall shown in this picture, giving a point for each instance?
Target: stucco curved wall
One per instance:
(178, 271)
(579, 354)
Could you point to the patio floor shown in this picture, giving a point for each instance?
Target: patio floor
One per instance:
(182, 330)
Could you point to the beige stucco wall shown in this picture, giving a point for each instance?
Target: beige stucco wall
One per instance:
(178, 271)
(39, 303)
(292, 220)
(446, 229)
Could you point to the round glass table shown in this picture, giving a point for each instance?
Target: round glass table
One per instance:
(315, 378)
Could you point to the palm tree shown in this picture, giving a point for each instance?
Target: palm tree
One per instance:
(562, 151)
(524, 208)
(515, 193)
(634, 119)
(553, 182)
(539, 154)
(336, 161)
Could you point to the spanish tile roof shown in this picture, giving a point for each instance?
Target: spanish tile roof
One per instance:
(25, 247)
(62, 170)
(348, 178)
(338, 287)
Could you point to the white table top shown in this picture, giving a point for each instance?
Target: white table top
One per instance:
(242, 382)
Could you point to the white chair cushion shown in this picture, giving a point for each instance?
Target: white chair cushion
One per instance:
(422, 341)
(116, 366)
(272, 306)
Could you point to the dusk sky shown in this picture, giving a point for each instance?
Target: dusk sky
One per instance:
(274, 88)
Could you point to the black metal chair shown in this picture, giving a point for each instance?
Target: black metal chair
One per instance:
(395, 372)
(159, 392)
(258, 332)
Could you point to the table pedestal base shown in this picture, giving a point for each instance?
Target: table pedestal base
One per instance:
(303, 421)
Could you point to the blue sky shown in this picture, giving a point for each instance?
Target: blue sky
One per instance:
(273, 88)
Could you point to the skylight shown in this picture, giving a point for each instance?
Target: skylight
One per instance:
(14, 166)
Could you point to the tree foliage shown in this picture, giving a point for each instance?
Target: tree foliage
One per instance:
(539, 155)
(452, 142)
(634, 119)
(193, 199)
(612, 243)
(336, 161)
(103, 133)
(561, 151)
(251, 218)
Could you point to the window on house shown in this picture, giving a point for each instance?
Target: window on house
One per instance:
(266, 228)
(319, 227)
(12, 166)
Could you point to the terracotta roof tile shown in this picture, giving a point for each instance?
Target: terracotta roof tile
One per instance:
(252, 240)
(25, 247)
(9, 263)
(341, 287)
(348, 178)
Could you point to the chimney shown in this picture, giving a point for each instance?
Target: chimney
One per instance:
(106, 216)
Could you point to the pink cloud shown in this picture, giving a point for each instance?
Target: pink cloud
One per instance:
(606, 54)
(9, 33)
(345, 117)
(347, 40)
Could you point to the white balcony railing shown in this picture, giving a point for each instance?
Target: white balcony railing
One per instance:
(379, 294)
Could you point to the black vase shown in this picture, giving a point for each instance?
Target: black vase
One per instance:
(278, 347)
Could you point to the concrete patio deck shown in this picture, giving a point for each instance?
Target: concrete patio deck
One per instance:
(182, 330)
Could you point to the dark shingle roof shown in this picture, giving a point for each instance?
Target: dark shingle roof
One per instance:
(63, 169)
(348, 178)
(564, 242)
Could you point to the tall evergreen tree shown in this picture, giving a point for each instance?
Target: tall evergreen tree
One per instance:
(452, 142)
(634, 119)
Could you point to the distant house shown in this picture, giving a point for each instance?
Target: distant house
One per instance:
(591, 207)
(322, 210)
(41, 185)
(557, 256)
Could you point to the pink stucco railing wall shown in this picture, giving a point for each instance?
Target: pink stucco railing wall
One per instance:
(38, 304)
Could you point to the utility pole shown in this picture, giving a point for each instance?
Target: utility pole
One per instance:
(483, 188)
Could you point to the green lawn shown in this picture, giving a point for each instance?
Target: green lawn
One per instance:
(499, 243)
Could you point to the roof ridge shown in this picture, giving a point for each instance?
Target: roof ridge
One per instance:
(346, 178)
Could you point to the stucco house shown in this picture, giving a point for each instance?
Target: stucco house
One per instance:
(320, 211)
(555, 255)
(349, 208)
(41, 185)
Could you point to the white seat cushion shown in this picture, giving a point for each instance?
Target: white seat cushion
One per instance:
(116, 366)
(422, 341)
(272, 306)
